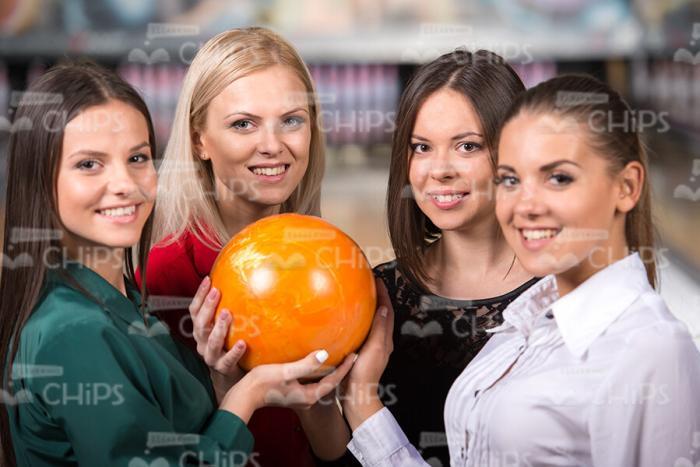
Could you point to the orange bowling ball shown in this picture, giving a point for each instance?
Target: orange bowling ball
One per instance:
(294, 284)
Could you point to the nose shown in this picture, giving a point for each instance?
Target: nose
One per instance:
(121, 181)
(529, 203)
(442, 167)
(270, 143)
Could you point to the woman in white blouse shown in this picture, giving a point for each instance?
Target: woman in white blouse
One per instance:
(589, 367)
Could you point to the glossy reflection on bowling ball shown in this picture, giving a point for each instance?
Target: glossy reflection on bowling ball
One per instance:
(294, 284)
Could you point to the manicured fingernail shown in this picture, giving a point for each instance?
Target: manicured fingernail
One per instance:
(224, 316)
(383, 311)
(321, 356)
(212, 293)
(354, 357)
(239, 345)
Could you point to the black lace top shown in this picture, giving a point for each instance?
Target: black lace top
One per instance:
(434, 340)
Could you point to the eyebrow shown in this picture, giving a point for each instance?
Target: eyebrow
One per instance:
(250, 115)
(91, 153)
(544, 168)
(455, 137)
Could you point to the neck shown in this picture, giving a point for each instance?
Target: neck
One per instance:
(237, 212)
(475, 251)
(600, 258)
(108, 263)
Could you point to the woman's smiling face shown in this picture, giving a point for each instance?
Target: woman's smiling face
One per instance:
(558, 203)
(450, 170)
(106, 181)
(257, 136)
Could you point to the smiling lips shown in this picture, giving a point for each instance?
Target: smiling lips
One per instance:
(270, 173)
(447, 200)
(535, 239)
(119, 215)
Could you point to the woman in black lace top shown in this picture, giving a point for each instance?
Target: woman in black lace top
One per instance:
(434, 340)
(454, 273)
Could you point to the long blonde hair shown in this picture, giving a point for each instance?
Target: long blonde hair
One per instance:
(186, 183)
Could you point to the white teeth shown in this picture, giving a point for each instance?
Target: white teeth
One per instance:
(539, 234)
(448, 198)
(119, 212)
(270, 171)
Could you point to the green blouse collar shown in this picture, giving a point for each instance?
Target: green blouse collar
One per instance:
(111, 299)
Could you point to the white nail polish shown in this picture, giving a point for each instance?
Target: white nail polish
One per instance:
(321, 356)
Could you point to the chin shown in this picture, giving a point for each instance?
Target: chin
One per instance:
(451, 221)
(544, 263)
(270, 199)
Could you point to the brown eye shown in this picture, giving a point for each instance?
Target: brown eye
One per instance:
(470, 147)
(87, 164)
(419, 147)
(561, 179)
(139, 158)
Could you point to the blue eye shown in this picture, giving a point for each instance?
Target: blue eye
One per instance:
(419, 147)
(242, 124)
(294, 121)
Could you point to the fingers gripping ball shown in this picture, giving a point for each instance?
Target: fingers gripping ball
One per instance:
(294, 284)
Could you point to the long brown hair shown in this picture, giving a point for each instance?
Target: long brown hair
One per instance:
(31, 210)
(491, 85)
(613, 133)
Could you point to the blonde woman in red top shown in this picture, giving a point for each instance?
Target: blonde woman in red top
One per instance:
(245, 144)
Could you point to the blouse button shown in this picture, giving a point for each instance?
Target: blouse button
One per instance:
(549, 315)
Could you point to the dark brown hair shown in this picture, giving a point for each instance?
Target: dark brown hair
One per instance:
(613, 133)
(491, 85)
(34, 155)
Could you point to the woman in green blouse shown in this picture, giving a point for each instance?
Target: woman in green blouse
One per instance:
(95, 380)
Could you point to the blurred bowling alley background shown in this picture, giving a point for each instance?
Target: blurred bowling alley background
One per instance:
(361, 54)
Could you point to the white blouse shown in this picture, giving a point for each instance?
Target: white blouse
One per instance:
(603, 376)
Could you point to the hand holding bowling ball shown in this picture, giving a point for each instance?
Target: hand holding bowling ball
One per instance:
(294, 284)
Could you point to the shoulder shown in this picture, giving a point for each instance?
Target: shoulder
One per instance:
(66, 320)
(386, 272)
(654, 339)
(170, 249)
(62, 306)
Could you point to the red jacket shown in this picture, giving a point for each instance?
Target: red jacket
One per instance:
(176, 270)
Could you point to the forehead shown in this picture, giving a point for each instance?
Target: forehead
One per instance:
(446, 113)
(106, 127)
(529, 141)
(273, 89)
